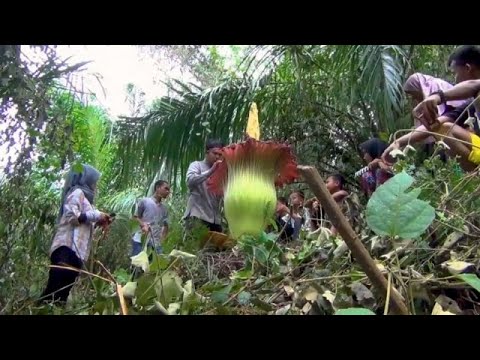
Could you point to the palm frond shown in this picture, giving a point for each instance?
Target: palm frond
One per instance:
(374, 73)
(123, 202)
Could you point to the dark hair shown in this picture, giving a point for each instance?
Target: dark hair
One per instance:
(339, 178)
(374, 147)
(466, 54)
(158, 184)
(283, 200)
(299, 192)
(214, 143)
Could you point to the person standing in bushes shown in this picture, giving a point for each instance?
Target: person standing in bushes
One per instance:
(203, 207)
(282, 217)
(379, 171)
(335, 184)
(298, 214)
(73, 237)
(152, 216)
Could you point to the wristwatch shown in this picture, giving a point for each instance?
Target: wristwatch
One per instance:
(441, 95)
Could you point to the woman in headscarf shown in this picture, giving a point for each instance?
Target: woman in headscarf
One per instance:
(379, 171)
(418, 87)
(73, 236)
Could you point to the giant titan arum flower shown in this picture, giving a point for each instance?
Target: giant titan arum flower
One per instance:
(247, 179)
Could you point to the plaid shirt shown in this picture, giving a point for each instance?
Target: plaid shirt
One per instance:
(373, 179)
(70, 232)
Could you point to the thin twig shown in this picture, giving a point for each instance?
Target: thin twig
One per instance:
(387, 299)
(236, 294)
(108, 272)
(433, 134)
(330, 278)
(81, 271)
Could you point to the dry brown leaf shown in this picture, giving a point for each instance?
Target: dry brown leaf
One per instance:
(306, 308)
(283, 310)
(311, 294)
(289, 290)
(289, 256)
(448, 304)
(329, 296)
(438, 310)
(457, 267)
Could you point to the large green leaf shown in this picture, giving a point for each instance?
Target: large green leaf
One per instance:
(393, 212)
(141, 260)
(169, 288)
(354, 311)
(129, 290)
(222, 295)
(159, 262)
(145, 291)
(121, 276)
(471, 279)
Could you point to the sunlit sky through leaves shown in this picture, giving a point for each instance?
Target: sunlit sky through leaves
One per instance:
(111, 69)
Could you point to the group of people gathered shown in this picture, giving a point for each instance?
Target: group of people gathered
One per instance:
(441, 112)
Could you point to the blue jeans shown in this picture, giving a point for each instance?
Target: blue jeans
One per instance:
(137, 248)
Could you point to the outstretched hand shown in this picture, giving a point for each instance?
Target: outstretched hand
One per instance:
(427, 112)
(105, 220)
(282, 210)
(216, 164)
(386, 157)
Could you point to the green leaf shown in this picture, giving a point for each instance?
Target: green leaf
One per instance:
(262, 304)
(188, 289)
(99, 306)
(354, 311)
(121, 276)
(441, 215)
(161, 308)
(471, 279)
(191, 300)
(356, 275)
(169, 288)
(100, 286)
(244, 274)
(145, 292)
(2, 229)
(273, 223)
(384, 136)
(393, 212)
(160, 262)
(129, 290)
(271, 236)
(173, 308)
(222, 295)
(244, 298)
(133, 225)
(141, 260)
